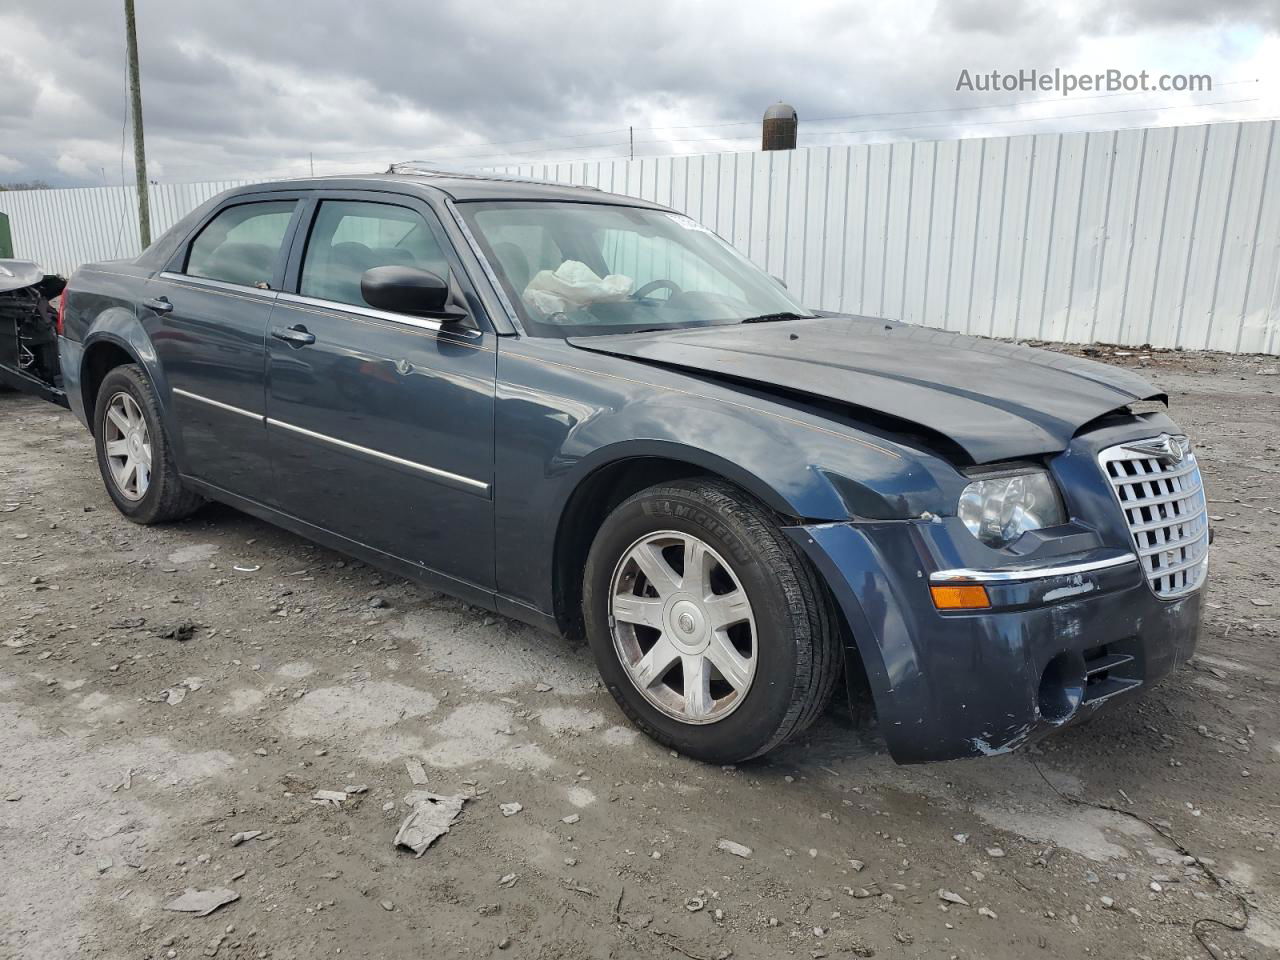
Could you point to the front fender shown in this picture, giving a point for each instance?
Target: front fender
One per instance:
(564, 414)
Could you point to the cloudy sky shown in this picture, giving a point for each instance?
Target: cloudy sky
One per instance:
(250, 89)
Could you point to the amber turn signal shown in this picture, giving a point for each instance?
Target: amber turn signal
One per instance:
(965, 597)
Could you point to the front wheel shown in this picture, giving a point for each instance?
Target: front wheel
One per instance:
(709, 628)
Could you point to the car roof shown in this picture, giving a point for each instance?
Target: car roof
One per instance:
(461, 187)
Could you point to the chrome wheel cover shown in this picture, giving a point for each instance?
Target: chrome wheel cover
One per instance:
(682, 627)
(128, 446)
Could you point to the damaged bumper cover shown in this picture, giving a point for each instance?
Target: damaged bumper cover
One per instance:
(1060, 642)
(28, 337)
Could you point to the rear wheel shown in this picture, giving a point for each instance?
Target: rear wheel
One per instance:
(134, 455)
(709, 628)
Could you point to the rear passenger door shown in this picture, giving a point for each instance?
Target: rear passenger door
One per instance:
(381, 424)
(207, 317)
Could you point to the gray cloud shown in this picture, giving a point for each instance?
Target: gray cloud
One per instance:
(241, 88)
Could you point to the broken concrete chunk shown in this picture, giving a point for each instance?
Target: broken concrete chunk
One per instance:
(430, 818)
(417, 772)
(333, 798)
(737, 849)
(202, 902)
(243, 835)
(950, 897)
(571, 819)
(510, 809)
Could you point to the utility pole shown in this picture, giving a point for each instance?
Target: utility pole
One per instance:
(139, 148)
(631, 136)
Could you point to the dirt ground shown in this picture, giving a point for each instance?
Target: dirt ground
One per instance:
(130, 754)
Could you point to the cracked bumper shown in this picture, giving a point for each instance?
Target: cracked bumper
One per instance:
(1051, 650)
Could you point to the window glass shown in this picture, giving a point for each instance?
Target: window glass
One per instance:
(648, 258)
(240, 244)
(579, 269)
(352, 236)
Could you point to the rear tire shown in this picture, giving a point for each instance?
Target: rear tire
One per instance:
(134, 455)
(749, 586)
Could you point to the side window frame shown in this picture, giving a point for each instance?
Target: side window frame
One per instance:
(460, 277)
(177, 263)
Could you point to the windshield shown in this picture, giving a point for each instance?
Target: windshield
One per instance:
(581, 269)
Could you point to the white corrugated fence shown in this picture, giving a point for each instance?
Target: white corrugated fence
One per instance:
(1168, 236)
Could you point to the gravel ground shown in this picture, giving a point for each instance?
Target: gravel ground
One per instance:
(164, 689)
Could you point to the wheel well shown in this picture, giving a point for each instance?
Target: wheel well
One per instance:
(595, 498)
(99, 360)
(598, 495)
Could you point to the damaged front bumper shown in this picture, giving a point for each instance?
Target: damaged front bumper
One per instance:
(28, 337)
(1060, 641)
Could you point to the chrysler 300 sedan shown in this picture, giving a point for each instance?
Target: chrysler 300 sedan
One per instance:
(589, 413)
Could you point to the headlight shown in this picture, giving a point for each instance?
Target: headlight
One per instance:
(1001, 509)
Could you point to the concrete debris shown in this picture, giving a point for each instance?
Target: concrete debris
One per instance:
(104, 864)
(387, 905)
(508, 880)
(988, 913)
(542, 688)
(571, 819)
(182, 630)
(510, 809)
(417, 772)
(355, 788)
(202, 902)
(430, 817)
(950, 897)
(737, 849)
(331, 798)
(244, 835)
(857, 865)
(213, 946)
(995, 853)
(173, 696)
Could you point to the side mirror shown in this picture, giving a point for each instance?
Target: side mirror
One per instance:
(411, 290)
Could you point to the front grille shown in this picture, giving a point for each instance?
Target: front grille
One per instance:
(1162, 496)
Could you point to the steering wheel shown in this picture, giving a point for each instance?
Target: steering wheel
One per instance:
(655, 285)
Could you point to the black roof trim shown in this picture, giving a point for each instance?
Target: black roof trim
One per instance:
(459, 186)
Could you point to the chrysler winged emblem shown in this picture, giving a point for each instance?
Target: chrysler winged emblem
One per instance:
(1164, 447)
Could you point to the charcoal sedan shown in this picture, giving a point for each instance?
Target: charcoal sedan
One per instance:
(589, 413)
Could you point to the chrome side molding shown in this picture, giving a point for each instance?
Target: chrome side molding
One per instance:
(219, 404)
(435, 472)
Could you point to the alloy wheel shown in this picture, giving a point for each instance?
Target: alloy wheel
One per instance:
(683, 627)
(128, 446)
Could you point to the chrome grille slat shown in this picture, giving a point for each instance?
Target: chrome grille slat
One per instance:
(1164, 506)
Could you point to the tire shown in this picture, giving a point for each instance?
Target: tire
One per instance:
(163, 498)
(789, 633)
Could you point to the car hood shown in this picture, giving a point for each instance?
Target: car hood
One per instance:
(16, 274)
(997, 401)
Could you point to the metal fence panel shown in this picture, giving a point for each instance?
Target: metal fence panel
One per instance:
(1168, 236)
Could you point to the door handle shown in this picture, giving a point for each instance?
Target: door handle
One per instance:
(295, 336)
(159, 304)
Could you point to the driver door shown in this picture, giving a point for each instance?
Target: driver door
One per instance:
(380, 424)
